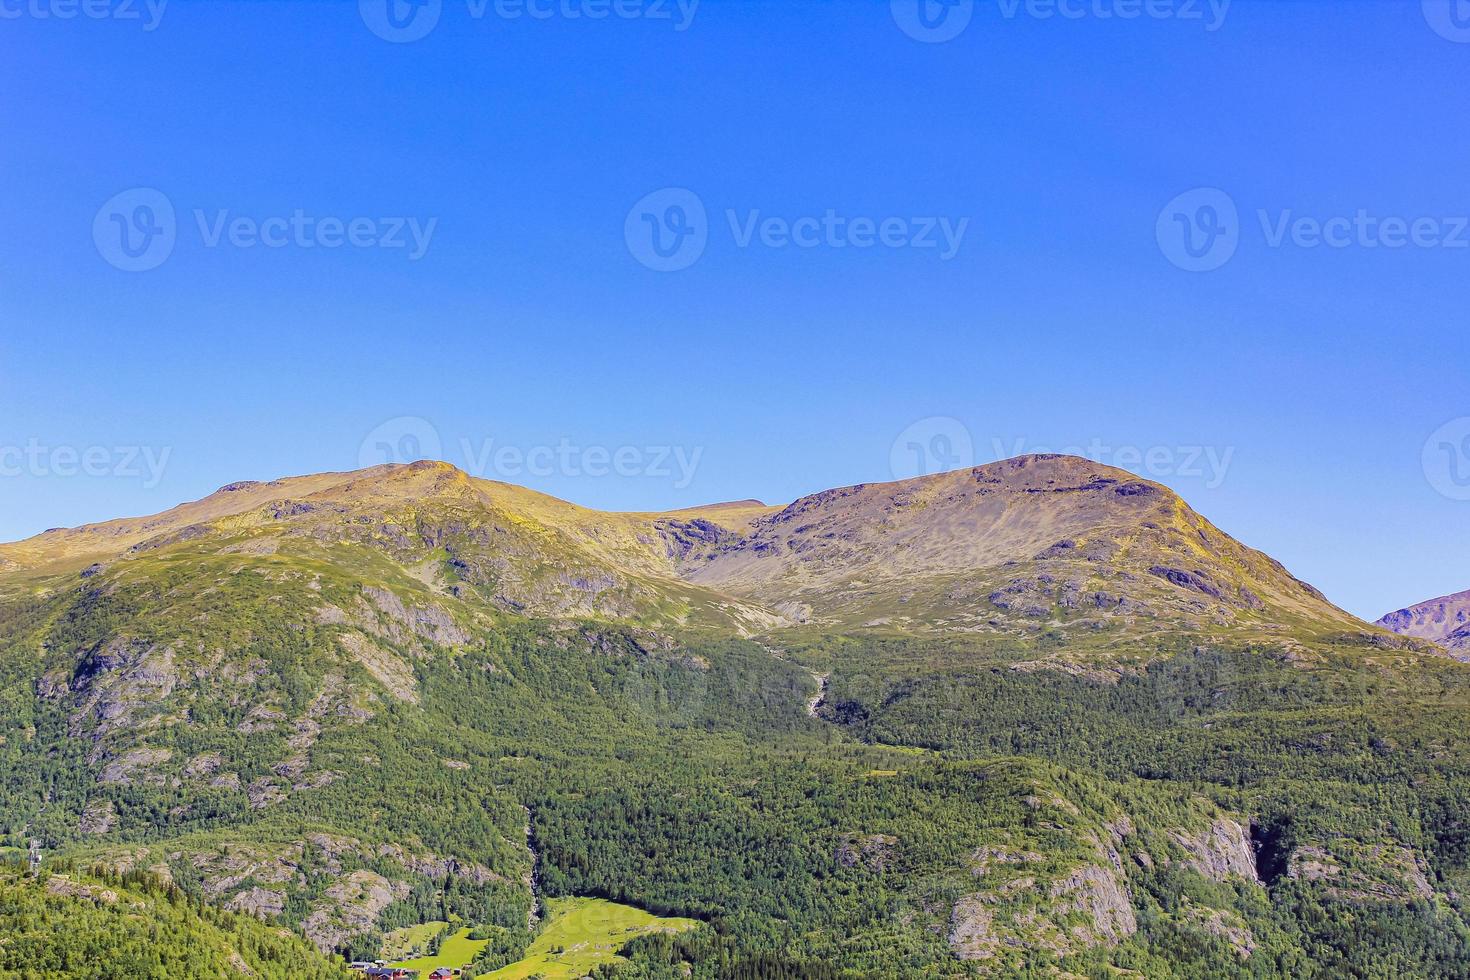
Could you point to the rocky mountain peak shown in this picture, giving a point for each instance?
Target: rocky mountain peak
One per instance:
(1445, 621)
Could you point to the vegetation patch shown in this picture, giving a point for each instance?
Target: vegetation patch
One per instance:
(412, 942)
(100, 926)
(456, 951)
(583, 934)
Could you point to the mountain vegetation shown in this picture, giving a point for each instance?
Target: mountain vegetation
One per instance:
(1037, 718)
(102, 925)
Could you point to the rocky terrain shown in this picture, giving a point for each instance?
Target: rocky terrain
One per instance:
(1445, 621)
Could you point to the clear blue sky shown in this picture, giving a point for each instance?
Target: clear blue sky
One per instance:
(531, 318)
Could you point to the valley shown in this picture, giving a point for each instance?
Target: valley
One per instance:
(1038, 718)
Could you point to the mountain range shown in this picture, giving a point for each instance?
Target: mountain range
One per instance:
(1038, 715)
(1008, 546)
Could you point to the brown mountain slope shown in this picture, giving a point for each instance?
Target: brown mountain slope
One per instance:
(1019, 545)
(1445, 621)
(1034, 537)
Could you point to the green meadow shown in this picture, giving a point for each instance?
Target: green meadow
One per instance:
(456, 951)
(583, 934)
(406, 943)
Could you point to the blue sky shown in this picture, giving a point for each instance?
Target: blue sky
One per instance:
(455, 264)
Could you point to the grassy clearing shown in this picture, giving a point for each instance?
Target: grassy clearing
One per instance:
(457, 950)
(403, 943)
(584, 933)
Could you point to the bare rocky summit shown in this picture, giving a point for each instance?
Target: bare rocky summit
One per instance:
(1445, 621)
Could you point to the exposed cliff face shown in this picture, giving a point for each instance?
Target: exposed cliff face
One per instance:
(1062, 866)
(1221, 851)
(264, 878)
(1060, 896)
(356, 901)
(1356, 870)
(1033, 895)
(1065, 899)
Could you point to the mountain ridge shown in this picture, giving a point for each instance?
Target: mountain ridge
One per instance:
(1010, 546)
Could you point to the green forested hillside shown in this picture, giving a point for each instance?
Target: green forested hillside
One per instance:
(76, 926)
(342, 732)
